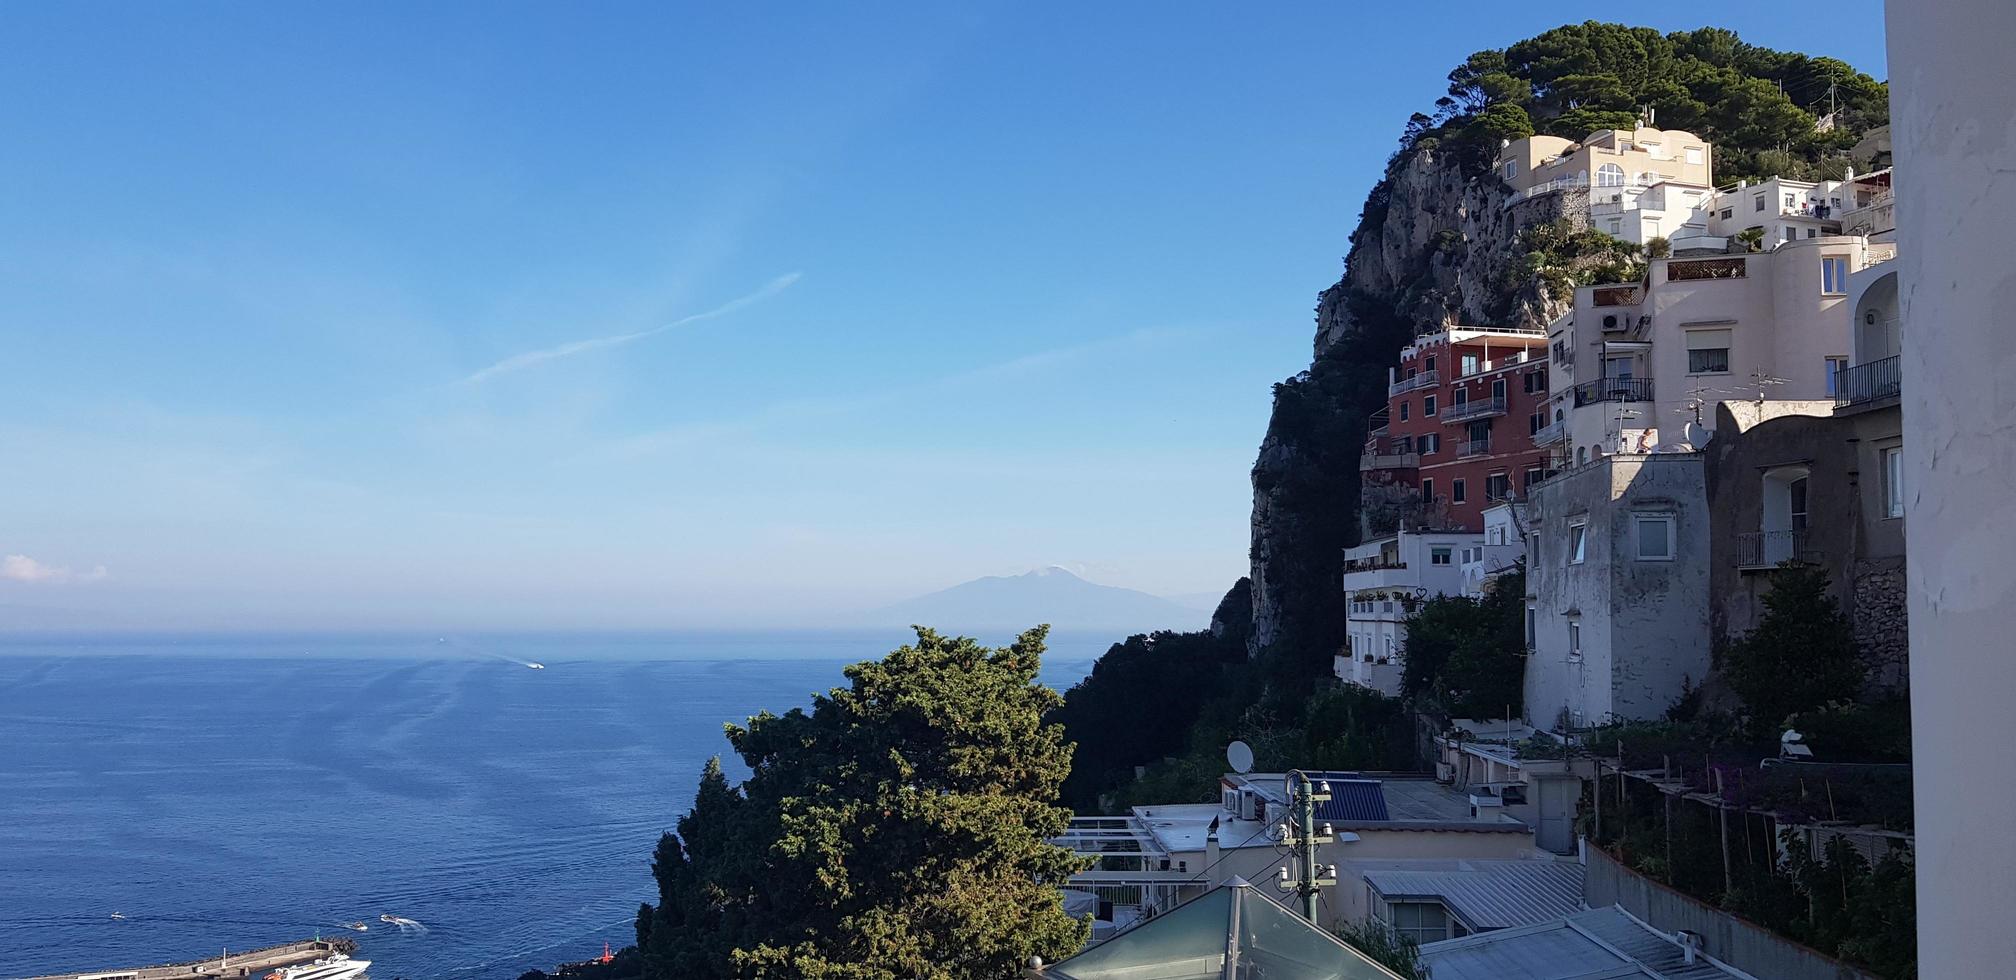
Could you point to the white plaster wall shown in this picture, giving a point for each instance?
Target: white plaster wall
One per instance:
(1953, 92)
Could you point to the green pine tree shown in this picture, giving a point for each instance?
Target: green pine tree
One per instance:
(1801, 655)
(898, 829)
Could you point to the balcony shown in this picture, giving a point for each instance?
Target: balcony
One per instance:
(1476, 408)
(1865, 383)
(1426, 379)
(1757, 550)
(1473, 447)
(1551, 434)
(1613, 390)
(1388, 461)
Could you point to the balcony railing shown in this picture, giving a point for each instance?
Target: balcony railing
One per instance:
(1767, 549)
(1476, 408)
(1867, 382)
(1389, 461)
(1551, 434)
(1613, 390)
(1423, 380)
(1473, 447)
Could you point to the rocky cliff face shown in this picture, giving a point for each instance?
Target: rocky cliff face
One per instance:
(1435, 245)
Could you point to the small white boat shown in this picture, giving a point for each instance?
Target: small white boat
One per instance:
(535, 665)
(336, 967)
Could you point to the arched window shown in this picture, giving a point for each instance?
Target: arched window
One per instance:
(1610, 175)
(1581, 455)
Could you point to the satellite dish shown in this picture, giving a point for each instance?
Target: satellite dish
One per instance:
(1240, 756)
(1697, 435)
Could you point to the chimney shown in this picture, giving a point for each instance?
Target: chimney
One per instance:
(1690, 945)
(1211, 846)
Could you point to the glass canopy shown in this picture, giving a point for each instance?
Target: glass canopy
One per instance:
(1229, 933)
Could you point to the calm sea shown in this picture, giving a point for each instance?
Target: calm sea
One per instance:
(237, 792)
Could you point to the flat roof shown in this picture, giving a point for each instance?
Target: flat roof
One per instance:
(1407, 803)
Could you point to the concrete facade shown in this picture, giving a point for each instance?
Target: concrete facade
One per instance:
(1953, 121)
(1636, 362)
(1618, 617)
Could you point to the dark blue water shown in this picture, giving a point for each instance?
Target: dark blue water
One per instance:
(233, 793)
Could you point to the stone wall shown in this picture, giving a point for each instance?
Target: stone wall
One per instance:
(1881, 622)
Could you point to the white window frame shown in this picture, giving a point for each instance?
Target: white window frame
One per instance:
(1441, 555)
(1893, 481)
(1578, 542)
(1836, 364)
(1574, 638)
(1638, 522)
(1831, 282)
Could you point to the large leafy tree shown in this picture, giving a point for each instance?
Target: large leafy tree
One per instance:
(899, 829)
(1468, 652)
(1800, 656)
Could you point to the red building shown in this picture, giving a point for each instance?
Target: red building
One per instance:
(1457, 432)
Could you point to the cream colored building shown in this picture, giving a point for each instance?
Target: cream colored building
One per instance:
(1641, 184)
(1635, 362)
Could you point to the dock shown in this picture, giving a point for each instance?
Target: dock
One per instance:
(250, 963)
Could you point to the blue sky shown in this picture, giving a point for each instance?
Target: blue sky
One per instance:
(541, 315)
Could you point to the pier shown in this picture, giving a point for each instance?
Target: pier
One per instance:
(250, 963)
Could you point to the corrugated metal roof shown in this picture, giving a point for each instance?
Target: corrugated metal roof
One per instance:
(1601, 944)
(1492, 894)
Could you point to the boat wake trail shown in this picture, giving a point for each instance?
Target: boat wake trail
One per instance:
(465, 646)
(405, 925)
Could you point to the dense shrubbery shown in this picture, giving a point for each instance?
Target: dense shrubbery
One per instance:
(1467, 655)
(1761, 108)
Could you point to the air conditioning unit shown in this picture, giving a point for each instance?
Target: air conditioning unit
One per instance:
(1612, 322)
(1444, 772)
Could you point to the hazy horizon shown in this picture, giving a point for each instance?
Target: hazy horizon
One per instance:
(533, 317)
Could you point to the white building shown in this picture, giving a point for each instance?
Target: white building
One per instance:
(1158, 856)
(1617, 590)
(1635, 362)
(1384, 581)
(1503, 549)
(1641, 184)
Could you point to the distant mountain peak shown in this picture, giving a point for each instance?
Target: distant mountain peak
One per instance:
(1052, 594)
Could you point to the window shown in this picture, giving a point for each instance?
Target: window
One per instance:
(1511, 169)
(1893, 482)
(1535, 381)
(1533, 475)
(1694, 154)
(1835, 365)
(1615, 228)
(1428, 404)
(1429, 363)
(1708, 351)
(1834, 275)
(1438, 556)
(1574, 640)
(1812, 233)
(1797, 499)
(1532, 628)
(1578, 543)
(1609, 175)
(1433, 442)
(1788, 233)
(1757, 203)
(1403, 411)
(1728, 213)
(1498, 388)
(1470, 364)
(1456, 494)
(1498, 486)
(1791, 202)
(1654, 150)
(1536, 421)
(1428, 491)
(1655, 537)
(1423, 922)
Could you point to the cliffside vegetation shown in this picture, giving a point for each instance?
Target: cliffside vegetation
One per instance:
(1434, 245)
(900, 829)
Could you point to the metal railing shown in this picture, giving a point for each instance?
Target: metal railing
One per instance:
(1613, 390)
(1766, 549)
(1475, 408)
(1473, 447)
(1421, 380)
(1389, 461)
(1868, 382)
(1551, 434)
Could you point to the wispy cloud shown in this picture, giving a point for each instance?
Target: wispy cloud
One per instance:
(21, 568)
(518, 362)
